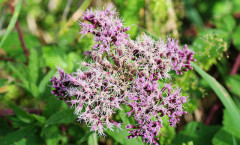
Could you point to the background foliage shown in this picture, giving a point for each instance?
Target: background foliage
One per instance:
(36, 36)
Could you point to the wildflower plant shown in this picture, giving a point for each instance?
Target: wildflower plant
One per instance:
(124, 72)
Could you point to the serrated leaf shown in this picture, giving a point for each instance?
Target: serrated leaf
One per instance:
(43, 84)
(54, 57)
(41, 120)
(51, 107)
(19, 71)
(196, 132)
(209, 47)
(22, 114)
(223, 95)
(63, 116)
(51, 134)
(33, 88)
(18, 135)
(33, 66)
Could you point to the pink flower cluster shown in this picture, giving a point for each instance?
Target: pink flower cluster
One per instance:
(149, 104)
(124, 72)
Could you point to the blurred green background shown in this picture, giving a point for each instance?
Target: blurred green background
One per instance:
(38, 35)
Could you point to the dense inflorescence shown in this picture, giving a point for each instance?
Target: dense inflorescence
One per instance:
(149, 104)
(124, 72)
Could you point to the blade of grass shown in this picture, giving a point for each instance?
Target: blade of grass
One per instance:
(222, 94)
(92, 139)
(12, 22)
(234, 140)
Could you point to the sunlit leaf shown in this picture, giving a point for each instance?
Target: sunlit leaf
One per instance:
(63, 116)
(223, 96)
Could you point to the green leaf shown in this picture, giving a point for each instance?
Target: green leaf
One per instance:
(51, 134)
(236, 37)
(222, 8)
(233, 83)
(5, 127)
(196, 132)
(18, 135)
(229, 22)
(40, 119)
(84, 137)
(12, 21)
(121, 137)
(210, 46)
(19, 70)
(43, 84)
(63, 116)
(228, 124)
(129, 13)
(54, 56)
(122, 113)
(192, 13)
(2, 82)
(22, 114)
(33, 66)
(33, 88)
(223, 96)
(52, 106)
(92, 139)
(224, 137)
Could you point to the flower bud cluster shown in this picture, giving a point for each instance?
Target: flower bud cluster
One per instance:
(106, 27)
(149, 104)
(159, 58)
(124, 72)
(95, 91)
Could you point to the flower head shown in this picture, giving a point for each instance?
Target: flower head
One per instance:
(124, 72)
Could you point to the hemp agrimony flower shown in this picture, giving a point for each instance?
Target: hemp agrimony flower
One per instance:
(124, 72)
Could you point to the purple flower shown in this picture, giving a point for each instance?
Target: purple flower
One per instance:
(158, 57)
(149, 104)
(106, 27)
(124, 72)
(93, 95)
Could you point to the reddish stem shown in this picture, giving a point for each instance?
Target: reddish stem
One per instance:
(10, 112)
(236, 65)
(212, 112)
(20, 35)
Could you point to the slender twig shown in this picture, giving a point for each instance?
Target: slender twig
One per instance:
(212, 112)
(26, 52)
(236, 65)
(11, 112)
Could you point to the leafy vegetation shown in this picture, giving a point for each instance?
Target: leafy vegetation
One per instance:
(38, 36)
